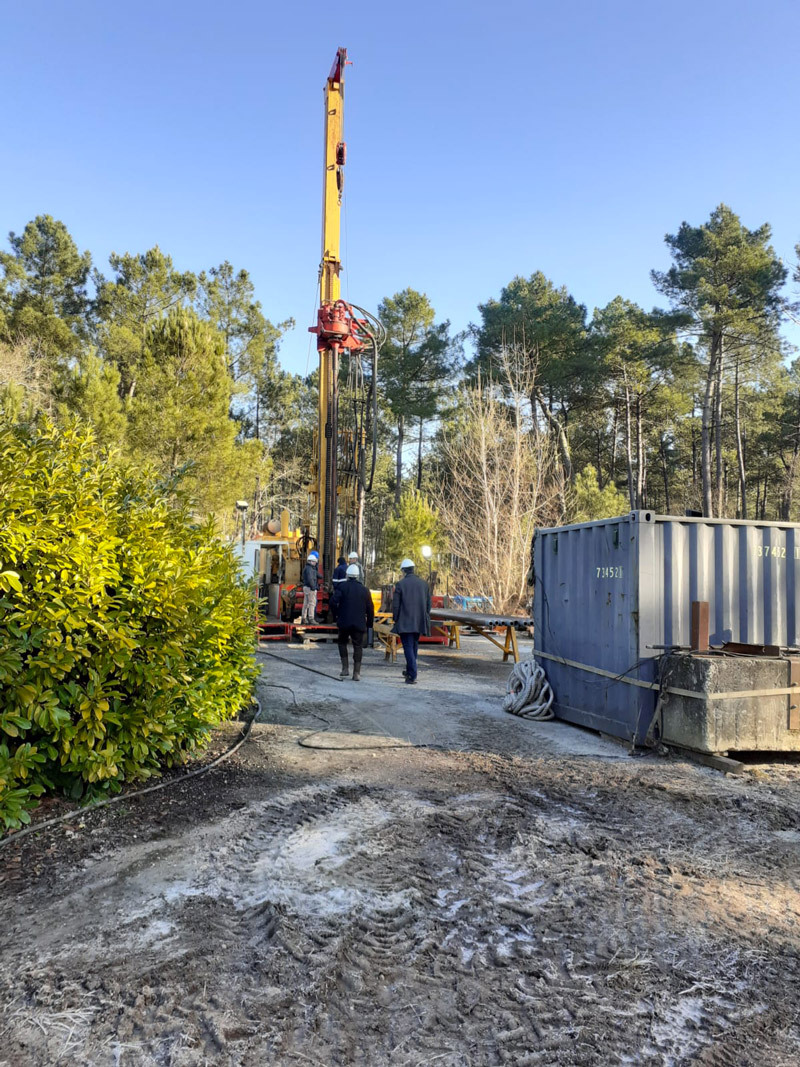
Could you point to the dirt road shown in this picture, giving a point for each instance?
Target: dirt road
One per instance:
(407, 876)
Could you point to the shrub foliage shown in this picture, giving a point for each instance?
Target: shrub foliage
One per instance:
(125, 633)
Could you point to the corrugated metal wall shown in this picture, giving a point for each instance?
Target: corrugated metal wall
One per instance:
(604, 591)
(748, 572)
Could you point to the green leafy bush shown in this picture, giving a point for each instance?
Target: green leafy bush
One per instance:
(125, 632)
(590, 502)
(417, 523)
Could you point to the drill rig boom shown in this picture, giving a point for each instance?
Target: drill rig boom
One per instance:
(339, 333)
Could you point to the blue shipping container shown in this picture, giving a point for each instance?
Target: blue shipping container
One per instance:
(606, 592)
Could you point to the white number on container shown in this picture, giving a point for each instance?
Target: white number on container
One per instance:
(774, 552)
(609, 572)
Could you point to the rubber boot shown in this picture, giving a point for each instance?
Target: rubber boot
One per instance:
(358, 653)
(345, 667)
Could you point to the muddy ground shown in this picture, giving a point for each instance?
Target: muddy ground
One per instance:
(406, 876)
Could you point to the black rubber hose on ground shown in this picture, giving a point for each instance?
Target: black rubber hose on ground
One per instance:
(138, 792)
(302, 666)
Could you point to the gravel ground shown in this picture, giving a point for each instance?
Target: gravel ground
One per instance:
(406, 876)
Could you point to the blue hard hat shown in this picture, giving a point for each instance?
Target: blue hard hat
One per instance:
(313, 555)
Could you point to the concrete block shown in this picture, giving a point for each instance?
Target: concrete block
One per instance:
(737, 724)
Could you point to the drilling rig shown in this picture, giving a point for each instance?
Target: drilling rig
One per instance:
(345, 440)
(348, 341)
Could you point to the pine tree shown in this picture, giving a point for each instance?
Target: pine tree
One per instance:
(637, 353)
(227, 299)
(145, 288)
(726, 279)
(90, 389)
(416, 365)
(179, 415)
(543, 327)
(44, 289)
(589, 501)
(416, 523)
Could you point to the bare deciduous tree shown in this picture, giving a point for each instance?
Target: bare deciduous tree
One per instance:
(26, 378)
(501, 480)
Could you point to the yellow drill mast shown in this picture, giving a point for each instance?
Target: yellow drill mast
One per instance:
(339, 476)
(333, 180)
(336, 327)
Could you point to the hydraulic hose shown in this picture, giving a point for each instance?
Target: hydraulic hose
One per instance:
(377, 336)
(528, 693)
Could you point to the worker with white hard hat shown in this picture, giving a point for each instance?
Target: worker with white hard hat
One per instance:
(355, 614)
(310, 583)
(353, 560)
(411, 611)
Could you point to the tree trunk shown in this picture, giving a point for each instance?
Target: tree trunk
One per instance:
(613, 475)
(665, 473)
(399, 464)
(705, 431)
(419, 457)
(788, 490)
(558, 429)
(791, 472)
(739, 446)
(629, 449)
(641, 458)
(694, 452)
(256, 517)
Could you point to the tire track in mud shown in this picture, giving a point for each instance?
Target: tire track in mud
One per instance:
(353, 924)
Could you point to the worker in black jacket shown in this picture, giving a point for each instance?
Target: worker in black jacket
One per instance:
(340, 574)
(355, 614)
(339, 578)
(411, 611)
(310, 583)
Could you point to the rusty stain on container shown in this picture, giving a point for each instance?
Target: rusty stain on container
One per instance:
(698, 632)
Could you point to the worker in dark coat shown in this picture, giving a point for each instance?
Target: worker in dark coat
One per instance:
(339, 578)
(411, 611)
(355, 614)
(310, 583)
(340, 574)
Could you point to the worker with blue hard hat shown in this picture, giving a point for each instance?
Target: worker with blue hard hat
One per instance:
(310, 583)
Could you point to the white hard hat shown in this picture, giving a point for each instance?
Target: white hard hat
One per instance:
(313, 555)
(353, 555)
(352, 571)
(406, 564)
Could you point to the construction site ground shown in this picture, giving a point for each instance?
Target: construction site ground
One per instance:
(388, 874)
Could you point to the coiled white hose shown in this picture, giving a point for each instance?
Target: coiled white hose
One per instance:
(528, 692)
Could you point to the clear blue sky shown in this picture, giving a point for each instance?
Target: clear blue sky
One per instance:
(484, 139)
